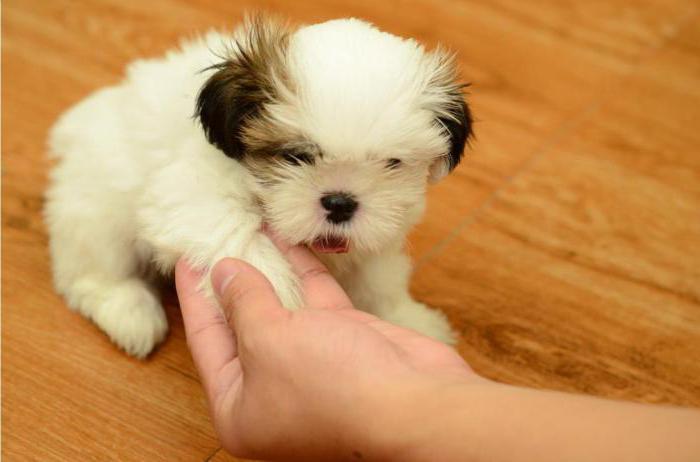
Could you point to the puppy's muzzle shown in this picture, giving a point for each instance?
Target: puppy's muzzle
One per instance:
(340, 206)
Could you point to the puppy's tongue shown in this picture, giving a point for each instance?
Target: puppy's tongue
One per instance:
(331, 244)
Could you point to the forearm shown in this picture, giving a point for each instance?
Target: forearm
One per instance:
(503, 423)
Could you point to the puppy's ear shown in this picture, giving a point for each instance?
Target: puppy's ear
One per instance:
(251, 74)
(457, 127)
(453, 115)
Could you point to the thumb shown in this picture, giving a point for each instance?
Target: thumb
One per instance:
(246, 296)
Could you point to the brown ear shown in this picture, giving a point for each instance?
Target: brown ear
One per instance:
(243, 83)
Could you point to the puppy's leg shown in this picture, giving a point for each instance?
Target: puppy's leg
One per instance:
(207, 218)
(96, 267)
(380, 286)
(96, 260)
(231, 239)
(257, 249)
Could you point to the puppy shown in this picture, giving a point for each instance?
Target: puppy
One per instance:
(328, 133)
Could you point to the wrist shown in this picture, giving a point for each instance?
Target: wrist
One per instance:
(404, 418)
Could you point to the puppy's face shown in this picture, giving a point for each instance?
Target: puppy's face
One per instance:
(341, 125)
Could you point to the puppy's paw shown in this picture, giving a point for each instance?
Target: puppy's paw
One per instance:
(427, 321)
(289, 293)
(285, 283)
(132, 317)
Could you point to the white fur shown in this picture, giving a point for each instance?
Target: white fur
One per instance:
(137, 183)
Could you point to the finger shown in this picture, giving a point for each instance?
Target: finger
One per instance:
(211, 341)
(320, 288)
(246, 296)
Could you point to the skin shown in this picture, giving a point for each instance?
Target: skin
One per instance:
(330, 382)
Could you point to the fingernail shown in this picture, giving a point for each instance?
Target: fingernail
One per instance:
(222, 275)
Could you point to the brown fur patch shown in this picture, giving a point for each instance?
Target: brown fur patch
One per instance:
(248, 78)
(266, 161)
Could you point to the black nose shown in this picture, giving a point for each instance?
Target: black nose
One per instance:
(340, 206)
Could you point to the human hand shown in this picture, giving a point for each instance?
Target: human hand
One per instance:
(323, 382)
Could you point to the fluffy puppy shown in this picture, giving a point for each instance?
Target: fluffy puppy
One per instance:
(328, 133)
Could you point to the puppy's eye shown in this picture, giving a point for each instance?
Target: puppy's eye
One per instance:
(393, 163)
(297, 158)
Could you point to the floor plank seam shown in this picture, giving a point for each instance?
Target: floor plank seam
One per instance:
(183, 373)
(213, 454)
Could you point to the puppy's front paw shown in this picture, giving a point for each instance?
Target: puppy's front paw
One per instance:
(289, 293)
(427, 321)
(286, 287)
(132, 317)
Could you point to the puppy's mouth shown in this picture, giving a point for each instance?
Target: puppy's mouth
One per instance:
(331, 244)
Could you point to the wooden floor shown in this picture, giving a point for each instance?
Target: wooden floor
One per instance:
(565, 250)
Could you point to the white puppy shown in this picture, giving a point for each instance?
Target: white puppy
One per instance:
(329, 133)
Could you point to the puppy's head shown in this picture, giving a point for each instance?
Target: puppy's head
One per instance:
(341, 124)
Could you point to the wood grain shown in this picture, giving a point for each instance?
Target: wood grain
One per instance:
(564, 249)
(583, 274)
